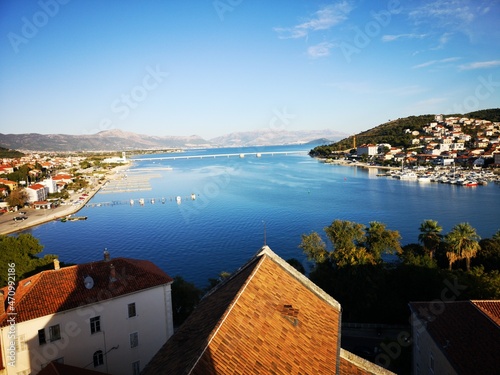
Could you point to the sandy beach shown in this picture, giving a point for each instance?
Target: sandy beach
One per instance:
(40, 216)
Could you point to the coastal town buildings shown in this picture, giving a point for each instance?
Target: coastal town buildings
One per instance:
(442, 139)
(109, 316)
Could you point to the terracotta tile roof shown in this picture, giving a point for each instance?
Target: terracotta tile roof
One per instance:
(266, 318)
(55, 368)
(466, 335)
(36, 186)
(490, 308)
(52, 291)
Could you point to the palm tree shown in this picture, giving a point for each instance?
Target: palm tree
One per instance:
(430, 236)
(463, 243)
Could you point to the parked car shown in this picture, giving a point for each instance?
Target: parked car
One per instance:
(20, 218)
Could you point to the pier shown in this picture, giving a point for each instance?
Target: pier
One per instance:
(239, 155)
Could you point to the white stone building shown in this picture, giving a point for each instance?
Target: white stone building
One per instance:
(109, 316)
(37, 192)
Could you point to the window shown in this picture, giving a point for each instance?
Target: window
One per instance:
(55, 332)
(41, 336)
(136, 368)
(98, 358)
(131, 310)
(134, 339)
(95, 324)
(431, 363)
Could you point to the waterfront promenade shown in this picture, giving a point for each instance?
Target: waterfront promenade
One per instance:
(40, 216)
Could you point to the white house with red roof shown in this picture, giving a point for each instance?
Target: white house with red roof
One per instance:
(37, 193)
(109, 316)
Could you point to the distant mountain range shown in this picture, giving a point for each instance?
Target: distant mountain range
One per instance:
(118, 140)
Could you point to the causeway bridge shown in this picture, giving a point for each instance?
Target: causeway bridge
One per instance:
(204, 156)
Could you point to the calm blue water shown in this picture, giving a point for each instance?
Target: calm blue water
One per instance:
(237, 198)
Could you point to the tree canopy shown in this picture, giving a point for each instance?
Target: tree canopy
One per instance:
(463, 243)
(352, 243)
(21, 251)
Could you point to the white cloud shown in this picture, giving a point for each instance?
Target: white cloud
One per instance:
(320, 50)
(392, 38)
(446, 11)
(434, 62)
(480, 65)
(323, 19)
(450, 17)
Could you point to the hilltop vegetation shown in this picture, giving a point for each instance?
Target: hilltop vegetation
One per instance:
(7, 153)
(393, 132)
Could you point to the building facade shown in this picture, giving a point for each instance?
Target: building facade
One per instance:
(109, 316)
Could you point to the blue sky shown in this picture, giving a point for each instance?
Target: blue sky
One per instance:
(219, 66)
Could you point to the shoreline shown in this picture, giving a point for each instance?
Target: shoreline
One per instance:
(43, 216)
(356, 164)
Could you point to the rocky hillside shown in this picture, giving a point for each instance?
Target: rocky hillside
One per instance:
(118, 140)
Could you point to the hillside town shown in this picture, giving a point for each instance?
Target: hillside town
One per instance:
(444, 143)
(444, 151)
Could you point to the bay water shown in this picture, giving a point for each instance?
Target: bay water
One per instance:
(240, 203)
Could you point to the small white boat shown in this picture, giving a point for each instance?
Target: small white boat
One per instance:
(409, 176)
(141, 201)
(424, 179)
(193, 196)
(178, 199)
(242, 156)
(131, 202)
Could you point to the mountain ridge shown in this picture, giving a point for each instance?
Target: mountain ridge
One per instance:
(120, 140)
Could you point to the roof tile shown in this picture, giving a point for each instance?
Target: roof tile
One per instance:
(266, 318)
(49, 292)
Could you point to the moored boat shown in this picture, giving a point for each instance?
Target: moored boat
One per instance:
(424, 178)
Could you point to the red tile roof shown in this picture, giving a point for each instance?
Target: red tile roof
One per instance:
(49, 292)
(266, 318)
(490, 308)
(466, 333)
(36, 186)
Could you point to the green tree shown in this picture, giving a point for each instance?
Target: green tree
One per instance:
(17, 197)
(345, 234)
(347, 239)
(185, 297)
(496, 236)
(463, 243)
(21, 251)
(413, 254)
(430, 236)
(314, 247)
(381, 240)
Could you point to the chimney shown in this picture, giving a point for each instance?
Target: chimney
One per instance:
(2, 303)
(106, 255)
(56, 264)
(112, 273)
